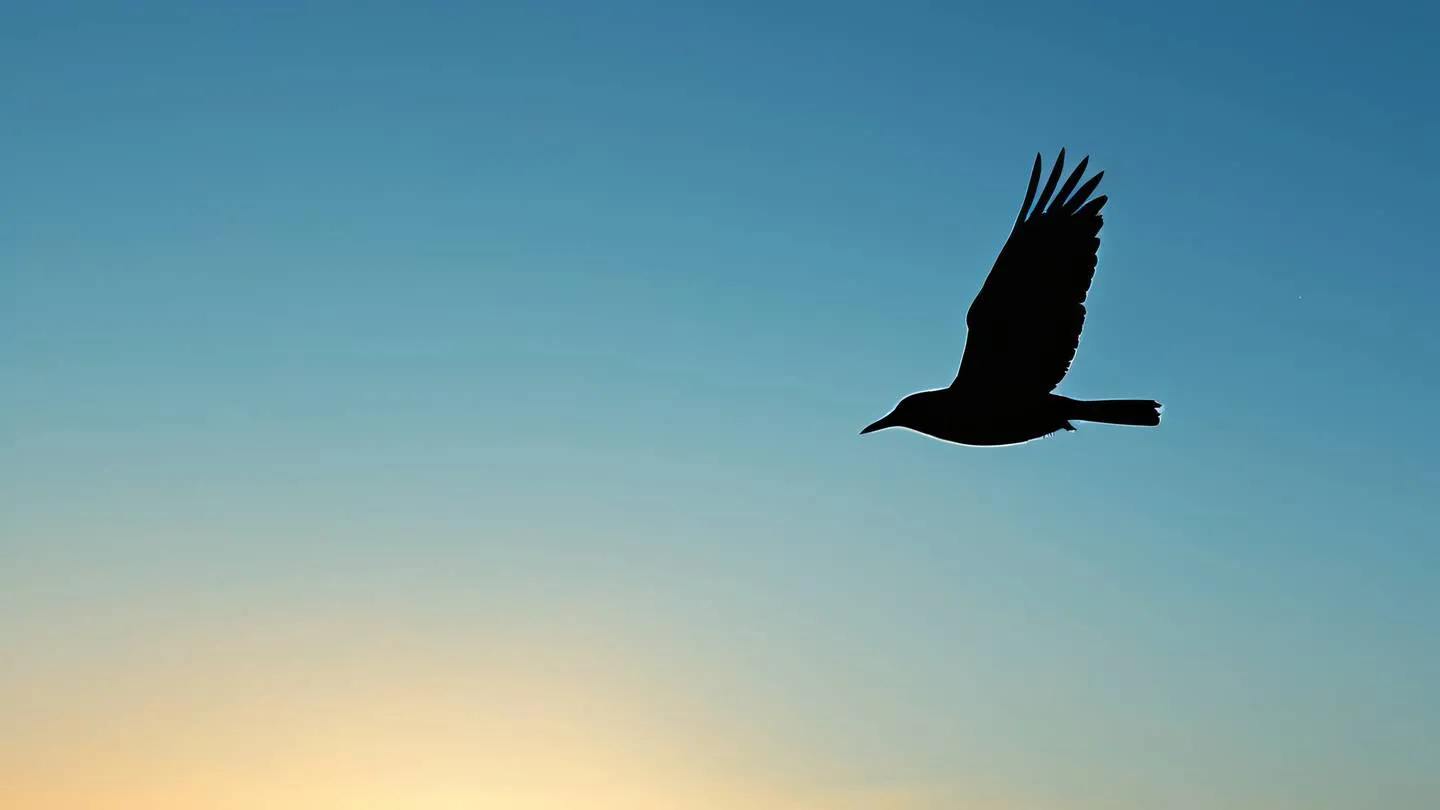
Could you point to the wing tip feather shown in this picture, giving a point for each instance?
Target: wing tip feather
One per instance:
(1030, 189)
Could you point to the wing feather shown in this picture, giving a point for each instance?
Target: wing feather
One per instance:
(1071, 181)
(1025, 324)
(1050, 183)
(1030, 191)
(1084, 193)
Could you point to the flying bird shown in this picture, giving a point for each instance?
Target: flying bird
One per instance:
(1023, 330)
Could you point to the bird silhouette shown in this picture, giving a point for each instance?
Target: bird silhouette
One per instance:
(1024, 329)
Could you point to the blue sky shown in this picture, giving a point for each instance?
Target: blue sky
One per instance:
(553, 325)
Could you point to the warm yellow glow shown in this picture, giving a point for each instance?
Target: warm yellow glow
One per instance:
(373, 723)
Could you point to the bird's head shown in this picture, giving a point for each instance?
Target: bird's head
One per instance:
(898, 417)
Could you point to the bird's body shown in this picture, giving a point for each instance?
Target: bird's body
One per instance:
(1024, 329)
(983, 421)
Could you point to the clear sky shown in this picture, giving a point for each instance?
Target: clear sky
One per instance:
(423, 406)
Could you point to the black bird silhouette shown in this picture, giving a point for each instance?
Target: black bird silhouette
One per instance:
(1024, 328)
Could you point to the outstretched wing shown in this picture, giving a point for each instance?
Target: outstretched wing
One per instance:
(1024, 325)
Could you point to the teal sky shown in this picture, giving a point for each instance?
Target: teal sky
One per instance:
(551, 326)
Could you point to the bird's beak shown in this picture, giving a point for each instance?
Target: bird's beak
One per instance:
(880, 424)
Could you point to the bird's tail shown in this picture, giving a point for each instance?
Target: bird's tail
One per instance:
(1141, 412)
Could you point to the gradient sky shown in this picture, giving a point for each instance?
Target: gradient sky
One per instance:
(417, 407)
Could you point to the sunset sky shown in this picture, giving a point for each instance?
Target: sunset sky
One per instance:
(417, 406)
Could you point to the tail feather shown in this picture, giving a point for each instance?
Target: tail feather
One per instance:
(1139, 412)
